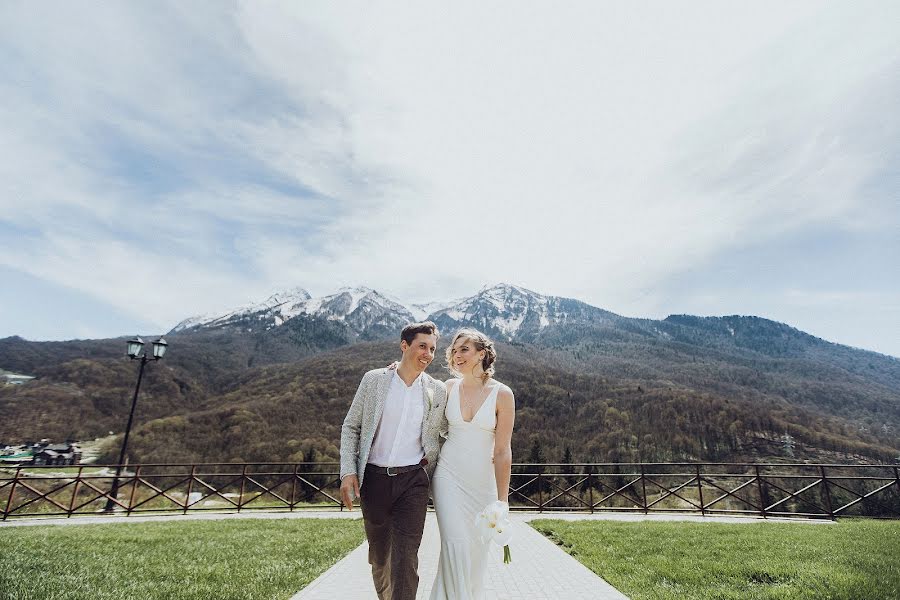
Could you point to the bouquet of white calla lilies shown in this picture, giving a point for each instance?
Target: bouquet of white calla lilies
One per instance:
(493, 525)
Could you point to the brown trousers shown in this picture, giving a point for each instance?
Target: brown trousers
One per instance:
(393, 509)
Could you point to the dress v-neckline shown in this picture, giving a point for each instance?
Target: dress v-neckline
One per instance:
(459, 402)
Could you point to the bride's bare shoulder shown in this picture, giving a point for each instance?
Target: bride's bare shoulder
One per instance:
(451, 382)
(503, 386)
(505, 396)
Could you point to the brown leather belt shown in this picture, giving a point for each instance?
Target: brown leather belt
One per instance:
(392, 471)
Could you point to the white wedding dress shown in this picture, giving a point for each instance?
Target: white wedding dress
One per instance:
(464, 484)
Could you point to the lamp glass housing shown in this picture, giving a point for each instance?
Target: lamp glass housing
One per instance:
(134, 347)
(159, 348)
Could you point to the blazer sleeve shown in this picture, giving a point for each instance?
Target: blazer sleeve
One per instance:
(352, 428)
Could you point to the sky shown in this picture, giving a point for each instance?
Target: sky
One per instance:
(166, 159)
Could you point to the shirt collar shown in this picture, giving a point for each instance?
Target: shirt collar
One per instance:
(417, 382)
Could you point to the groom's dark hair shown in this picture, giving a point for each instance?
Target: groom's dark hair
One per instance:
(410, 332)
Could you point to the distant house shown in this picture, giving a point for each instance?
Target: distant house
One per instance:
(58, 454)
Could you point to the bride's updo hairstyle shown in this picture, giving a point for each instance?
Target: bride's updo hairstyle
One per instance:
(481, 342)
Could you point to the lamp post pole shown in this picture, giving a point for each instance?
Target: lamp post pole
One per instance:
(134, 352)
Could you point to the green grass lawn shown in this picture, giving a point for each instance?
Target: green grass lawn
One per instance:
(230, 558)
(848, 560)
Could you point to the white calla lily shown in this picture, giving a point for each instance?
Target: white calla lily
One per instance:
(493, 525)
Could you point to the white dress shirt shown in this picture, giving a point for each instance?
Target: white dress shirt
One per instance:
(398, 438)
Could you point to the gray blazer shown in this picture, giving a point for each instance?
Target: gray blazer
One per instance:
(358, 430)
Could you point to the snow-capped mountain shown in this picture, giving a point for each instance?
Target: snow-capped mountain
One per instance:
(502, 310)
(512, 312)
(274, 304)
(364, 310)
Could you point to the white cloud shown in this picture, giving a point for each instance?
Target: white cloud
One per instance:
(623, 156)
(589, 150)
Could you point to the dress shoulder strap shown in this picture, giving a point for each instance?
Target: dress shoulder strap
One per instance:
(492, 397)
(491, 401)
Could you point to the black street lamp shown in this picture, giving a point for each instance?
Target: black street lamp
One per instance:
(134, 353)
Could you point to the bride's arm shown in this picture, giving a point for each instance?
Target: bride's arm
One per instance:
(506, 417)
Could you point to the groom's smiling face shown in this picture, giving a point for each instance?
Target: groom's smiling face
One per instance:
(420, 352)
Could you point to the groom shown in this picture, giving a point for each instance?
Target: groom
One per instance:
(389, 447)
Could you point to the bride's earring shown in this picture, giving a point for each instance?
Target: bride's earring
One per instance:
(478, 369)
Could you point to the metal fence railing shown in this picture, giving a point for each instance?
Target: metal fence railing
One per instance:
(765, 490)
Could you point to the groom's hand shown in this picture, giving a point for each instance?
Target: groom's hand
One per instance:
(349, 490)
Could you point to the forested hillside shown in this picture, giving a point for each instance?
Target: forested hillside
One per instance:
(606, 400)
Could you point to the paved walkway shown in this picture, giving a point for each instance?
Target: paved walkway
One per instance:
(539, 570)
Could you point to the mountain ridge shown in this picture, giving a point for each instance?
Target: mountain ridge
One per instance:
(346, 301)
(506, 311)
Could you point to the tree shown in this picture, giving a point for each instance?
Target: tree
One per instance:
(567, 460)
(535, 458)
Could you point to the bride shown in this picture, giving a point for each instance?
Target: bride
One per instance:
(473, 469)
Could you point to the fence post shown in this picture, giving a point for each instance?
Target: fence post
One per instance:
(590, 487)
(243, 483)
(644, 490)
(187, 499)
(75, 492)
(540, 494)
(12, 489)
(826, 492)
(700, 490)
(134, 485)
(294, 488)
(762, 498)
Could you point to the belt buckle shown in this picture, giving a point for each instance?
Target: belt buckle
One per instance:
(388, 472)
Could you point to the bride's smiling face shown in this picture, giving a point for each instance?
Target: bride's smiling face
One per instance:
(464, 357)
